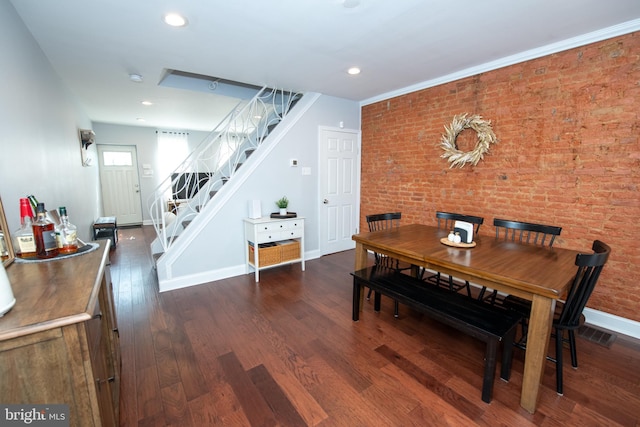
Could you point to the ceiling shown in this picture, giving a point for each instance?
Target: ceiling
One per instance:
(301, 45)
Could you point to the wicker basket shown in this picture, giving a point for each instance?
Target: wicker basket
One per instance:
(290, 250)
(269, 254)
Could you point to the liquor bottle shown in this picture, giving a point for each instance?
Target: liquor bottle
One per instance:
(25, 244)
(66, 234)
(45, 234)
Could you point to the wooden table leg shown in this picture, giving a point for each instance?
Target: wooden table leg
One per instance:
(535, 359)
(361, 262)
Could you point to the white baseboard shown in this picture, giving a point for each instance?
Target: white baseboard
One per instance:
(213, 275)
(612, 322)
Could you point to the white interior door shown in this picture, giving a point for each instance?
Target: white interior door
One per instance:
(339, 189)
(120, 183)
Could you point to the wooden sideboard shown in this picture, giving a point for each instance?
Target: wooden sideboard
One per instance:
(59, 344)
(267, 230)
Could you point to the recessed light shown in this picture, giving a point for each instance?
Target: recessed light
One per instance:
(136, 78)
(353, 71)
(175, 20)
(147, 103)
(140, 119)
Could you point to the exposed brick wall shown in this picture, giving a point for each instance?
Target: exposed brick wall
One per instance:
(568, 155)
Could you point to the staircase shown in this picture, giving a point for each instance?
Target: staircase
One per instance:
(195, 183)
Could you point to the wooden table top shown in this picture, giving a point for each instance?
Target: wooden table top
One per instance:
(518, 269)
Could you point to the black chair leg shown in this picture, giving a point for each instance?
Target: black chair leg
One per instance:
(559, 335)
(572, 347)
(369, 294)
(467, 285)
(396, 313)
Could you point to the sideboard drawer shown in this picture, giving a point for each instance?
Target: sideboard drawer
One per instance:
(279, 226)
(271, 236)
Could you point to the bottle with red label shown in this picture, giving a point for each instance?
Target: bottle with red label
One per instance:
(24, 242)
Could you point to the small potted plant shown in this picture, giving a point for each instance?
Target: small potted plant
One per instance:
(282, 204)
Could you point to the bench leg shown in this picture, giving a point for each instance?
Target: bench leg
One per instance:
(489, 370)
(357, 290)
(507, 353)
(377, 297)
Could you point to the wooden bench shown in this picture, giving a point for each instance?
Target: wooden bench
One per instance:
(488, 323)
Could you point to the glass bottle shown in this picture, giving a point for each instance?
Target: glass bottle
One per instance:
(25, 244)
(45, 234)
(66, 234)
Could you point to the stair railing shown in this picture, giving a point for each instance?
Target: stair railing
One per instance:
(214, 162)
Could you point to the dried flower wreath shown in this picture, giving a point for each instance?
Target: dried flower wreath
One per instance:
(486, 137)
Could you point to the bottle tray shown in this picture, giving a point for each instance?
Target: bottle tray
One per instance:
(88, 247)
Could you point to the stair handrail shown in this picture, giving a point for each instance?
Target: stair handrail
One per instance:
(215, 160)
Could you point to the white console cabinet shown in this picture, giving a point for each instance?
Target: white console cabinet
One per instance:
(270, 242)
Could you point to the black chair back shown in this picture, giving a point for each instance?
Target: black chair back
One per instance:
(383, 221)
(589, 268)
(526, 232)
(446, 220)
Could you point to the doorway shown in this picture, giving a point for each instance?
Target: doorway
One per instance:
(339, 189)
(120, 183)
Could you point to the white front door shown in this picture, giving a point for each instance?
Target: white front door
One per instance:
(339, 189)
(120, 184)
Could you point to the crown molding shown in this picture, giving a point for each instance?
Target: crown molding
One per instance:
(582, 40)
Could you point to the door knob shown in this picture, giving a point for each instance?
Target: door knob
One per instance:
(325, 201)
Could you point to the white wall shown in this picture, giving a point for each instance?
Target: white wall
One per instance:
(222, 246)
(145, 141)
(39, 142)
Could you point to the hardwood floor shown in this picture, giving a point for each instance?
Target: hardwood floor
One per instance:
(285, 352)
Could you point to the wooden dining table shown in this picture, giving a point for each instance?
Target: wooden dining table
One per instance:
(537, 273)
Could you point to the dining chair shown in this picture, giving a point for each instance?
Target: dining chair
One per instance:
(521, 232)
(568, 315)
(446, 221)
(386, 221)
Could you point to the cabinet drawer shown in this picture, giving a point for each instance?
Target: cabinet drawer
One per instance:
(94, 327)
(292, 233)
(278, 226)
(271, 236)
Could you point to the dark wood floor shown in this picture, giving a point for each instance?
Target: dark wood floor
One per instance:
(285, 352)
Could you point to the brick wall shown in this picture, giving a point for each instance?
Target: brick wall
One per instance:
(568, 155)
